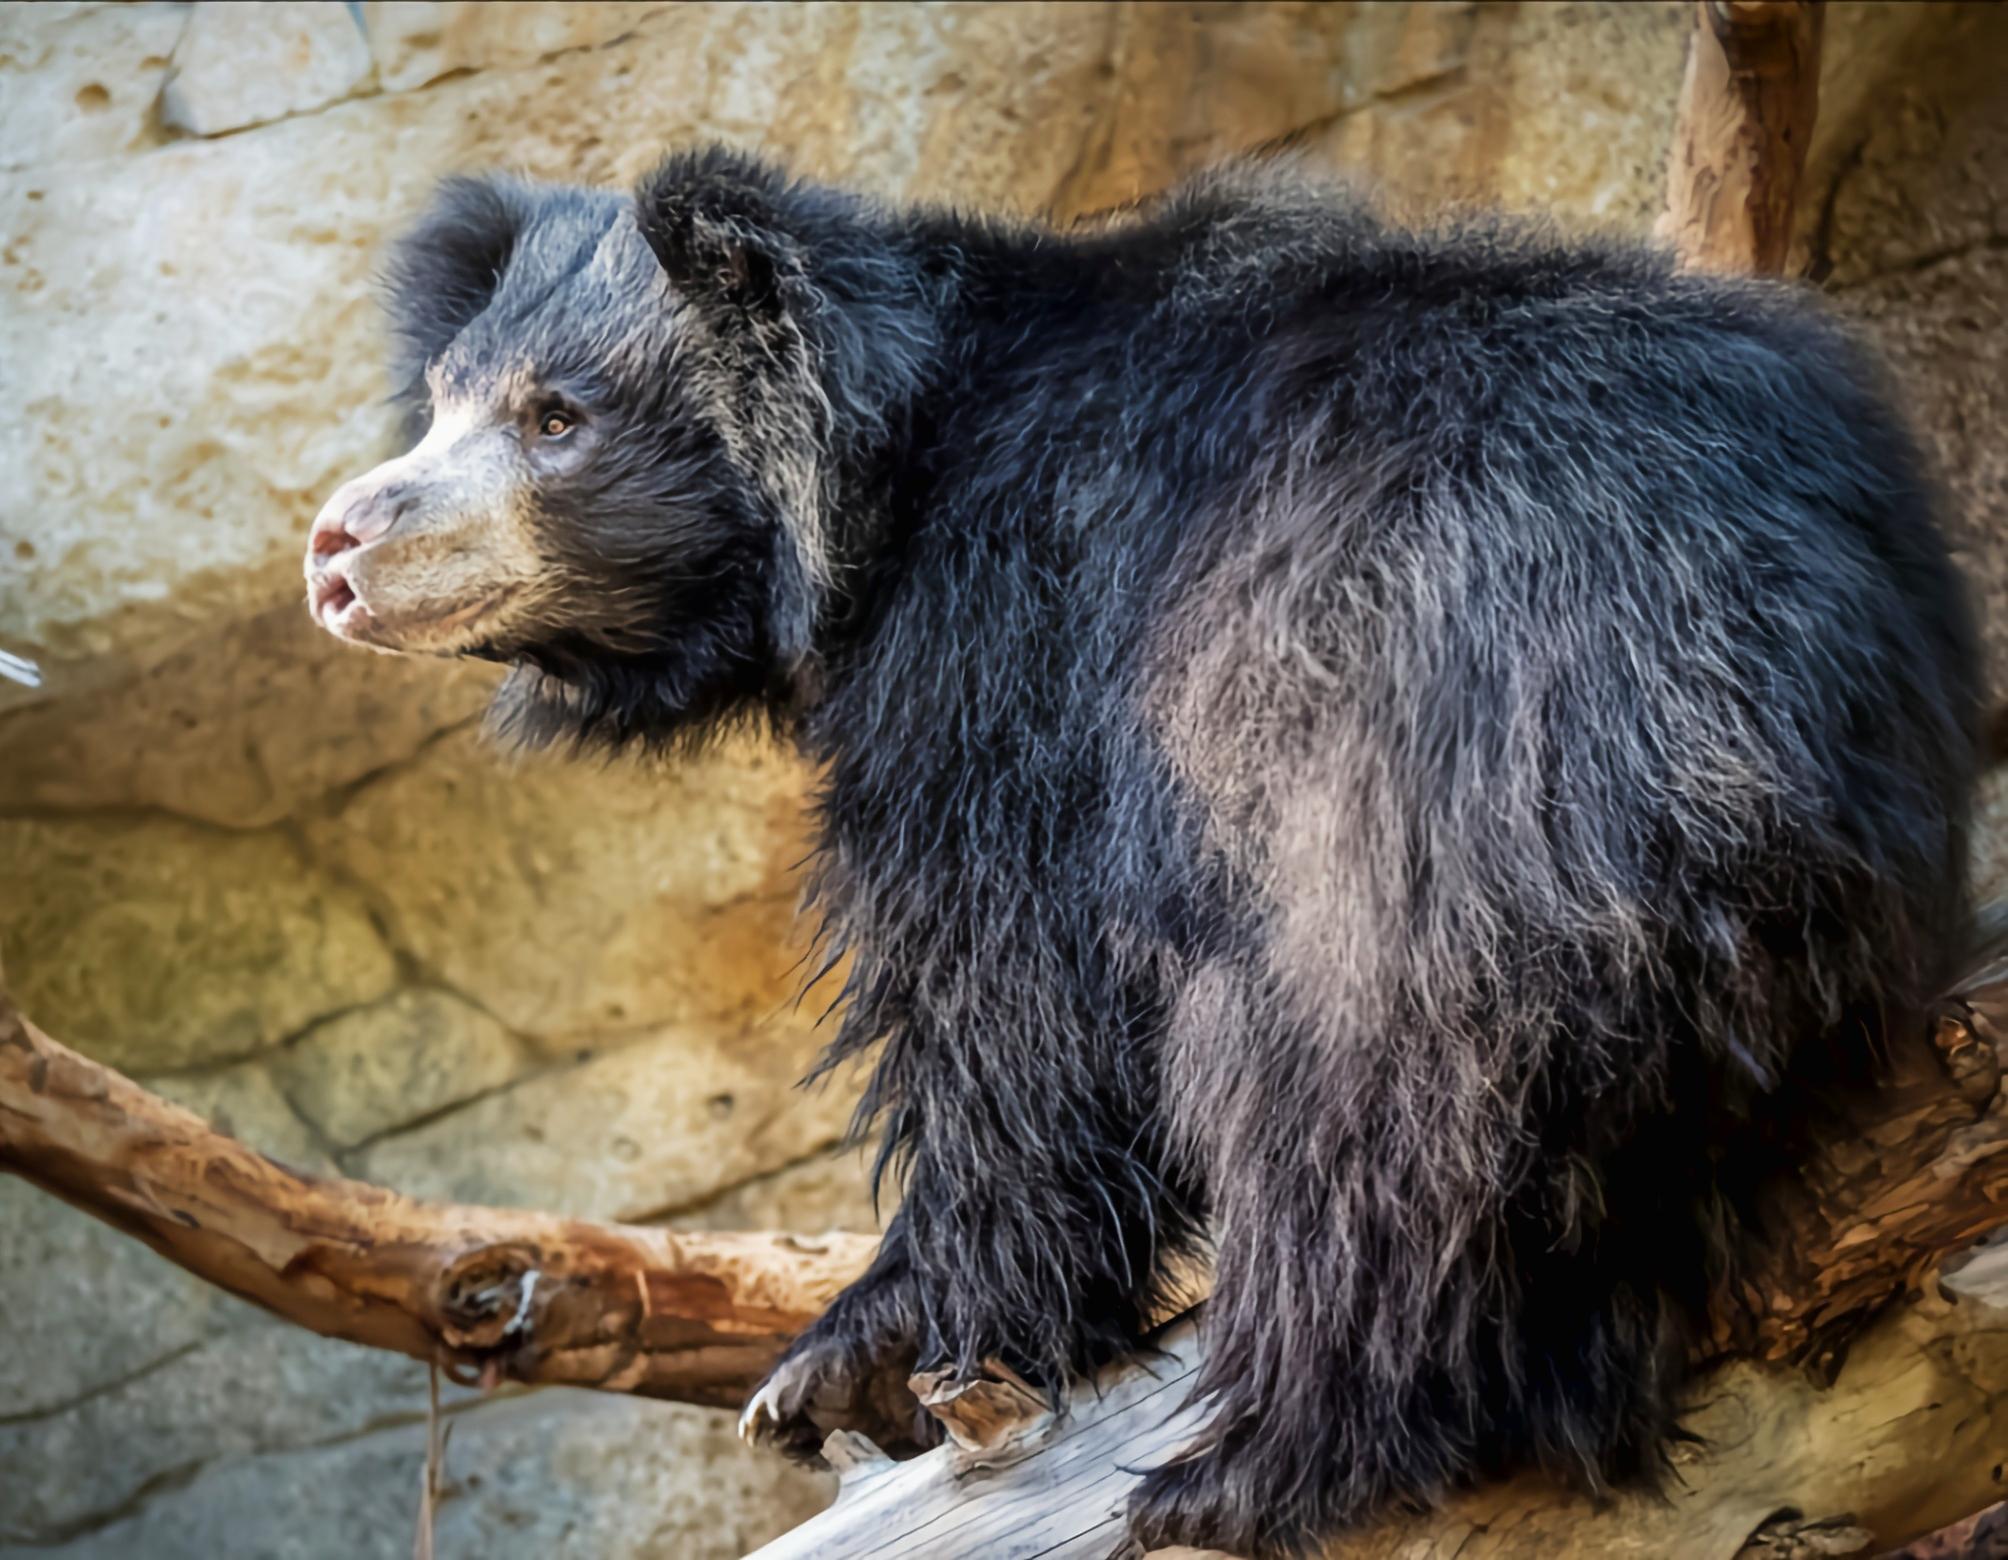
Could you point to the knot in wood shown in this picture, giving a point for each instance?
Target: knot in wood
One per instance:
(486, 1296)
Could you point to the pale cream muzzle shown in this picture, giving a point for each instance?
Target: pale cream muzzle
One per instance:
(417, 553)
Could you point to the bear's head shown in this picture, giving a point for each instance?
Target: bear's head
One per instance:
(633, 423)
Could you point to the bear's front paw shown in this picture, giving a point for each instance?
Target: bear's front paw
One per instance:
(822, 1386)
(777, 1415)
(1207, 1502)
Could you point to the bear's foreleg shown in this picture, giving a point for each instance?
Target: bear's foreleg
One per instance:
(1035, 1230)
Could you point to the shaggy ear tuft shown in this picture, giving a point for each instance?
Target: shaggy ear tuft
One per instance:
(443, 273)
(721, 224)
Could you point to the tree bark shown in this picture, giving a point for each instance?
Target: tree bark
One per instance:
(490, 1294)
(1747, 106)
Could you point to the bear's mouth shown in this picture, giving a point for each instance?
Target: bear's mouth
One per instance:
(336, 604)
(330, 598)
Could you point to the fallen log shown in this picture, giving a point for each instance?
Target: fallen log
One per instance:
(1910, 1438)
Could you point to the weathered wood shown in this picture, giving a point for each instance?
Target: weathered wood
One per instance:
(490, 1294)
(1910, 1435)
(1904, 1442)
(1745, 119)
(1904, 1176)
(990, 1412)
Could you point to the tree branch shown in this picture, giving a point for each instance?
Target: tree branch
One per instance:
(490, 1294)
(1905, 1442)
(1747, 106)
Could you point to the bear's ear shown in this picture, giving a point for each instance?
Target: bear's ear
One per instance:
(445, 270)
(727, 228)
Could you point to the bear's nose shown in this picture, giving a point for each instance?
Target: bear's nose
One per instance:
(353, 519)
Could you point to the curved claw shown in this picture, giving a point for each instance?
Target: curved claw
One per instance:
(759, 1418)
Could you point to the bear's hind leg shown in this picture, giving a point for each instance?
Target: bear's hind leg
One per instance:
(1301, 1439)
(1369, 1345)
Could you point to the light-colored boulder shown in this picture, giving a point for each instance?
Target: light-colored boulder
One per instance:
(183, 402)
(79, 81)
(87, 1306)
(401, 1060)
(246, 62)
(1989, 854)
(153, 944)
(828, 1191)
(557, 1475)
(1908, 153)
(1943, 327)
(660, 1125)
(577, 900)
(1559, 110)
(1908, 233)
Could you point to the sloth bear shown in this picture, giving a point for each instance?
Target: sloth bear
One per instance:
(1406, 763)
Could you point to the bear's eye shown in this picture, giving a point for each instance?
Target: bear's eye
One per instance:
(556, 423)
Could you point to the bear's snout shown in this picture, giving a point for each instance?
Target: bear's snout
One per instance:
(361, 513)
(343, 524)
(432, 552)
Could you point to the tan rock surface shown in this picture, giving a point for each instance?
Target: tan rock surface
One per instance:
(79, 81)
(564, 1475)
(243, 1101)
(1912, 139)
(394, 1062)
(242, 727)
(661, 1124)
(245, 62)
(827, 1191)
(1910, 234)
(86, 1307)
(1943, 327)
(1990, 839)
(577, 900)
(415, 42)
(252, 1385)
(1551, 109)
(151, 944)
(250, 392)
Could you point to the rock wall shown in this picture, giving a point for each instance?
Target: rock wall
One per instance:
(292, 887)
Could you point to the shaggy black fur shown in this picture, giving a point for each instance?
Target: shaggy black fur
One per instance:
(1413, 755)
